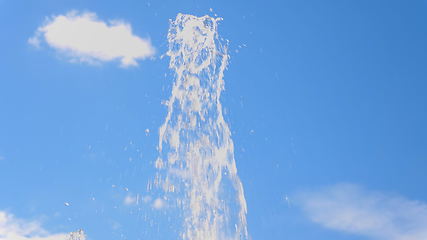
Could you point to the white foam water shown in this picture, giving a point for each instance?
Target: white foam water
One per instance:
(196, 168)
(77, 235)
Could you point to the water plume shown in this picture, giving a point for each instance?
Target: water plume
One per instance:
(196, 170)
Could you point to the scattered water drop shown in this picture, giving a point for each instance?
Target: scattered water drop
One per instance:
(77, 235)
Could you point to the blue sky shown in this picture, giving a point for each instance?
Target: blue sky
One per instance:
(325, 99)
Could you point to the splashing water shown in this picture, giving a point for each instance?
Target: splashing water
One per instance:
(196, 168)
(77, 235)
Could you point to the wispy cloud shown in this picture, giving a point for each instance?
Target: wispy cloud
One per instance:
(352, 209)
(82, 37)
(12, 228)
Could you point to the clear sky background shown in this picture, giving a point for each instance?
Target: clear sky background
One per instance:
(326, 101)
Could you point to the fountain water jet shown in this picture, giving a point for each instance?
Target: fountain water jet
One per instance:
(196, 168)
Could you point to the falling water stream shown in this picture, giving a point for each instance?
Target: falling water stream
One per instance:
(196, 170)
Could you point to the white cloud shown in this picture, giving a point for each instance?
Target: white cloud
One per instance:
(82, 37)
(35, 41)
(350, 208)
(12, 228)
